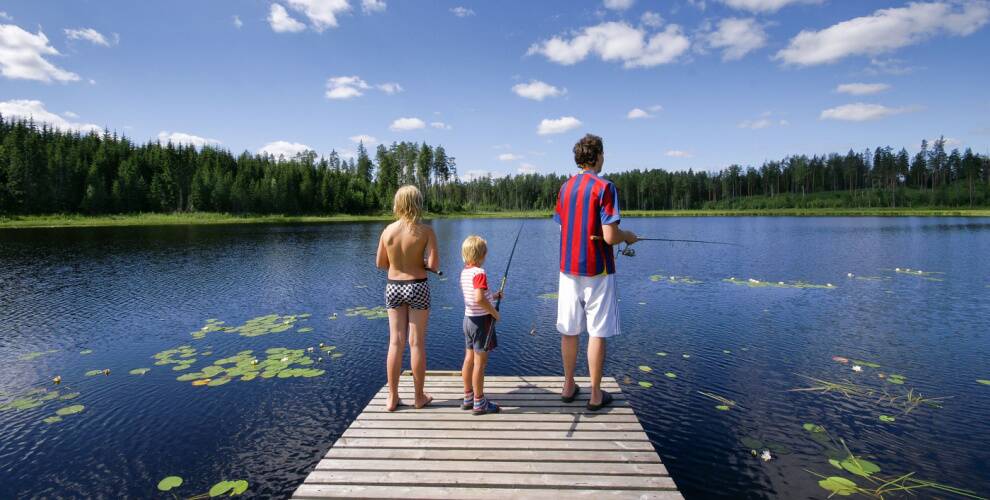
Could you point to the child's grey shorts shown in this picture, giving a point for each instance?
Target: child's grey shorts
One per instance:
(476, 331)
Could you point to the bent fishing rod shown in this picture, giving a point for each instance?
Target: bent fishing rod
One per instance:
(501, 288)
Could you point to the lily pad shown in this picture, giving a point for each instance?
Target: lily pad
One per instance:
(52, 420)
(670, 375)
(93, 373)
(31, 356)
(887, 418)
(722, 407)
(838, 486)
(983, 381)
(865, 363)
(169, 482)
(69, 410)
(218, 382)
(66, 397)
(644, 384)
(751, 442)
(229, 488)
(685, 356)
(305, 330)
(139, 371)
(860, 467)
(86, 351)
(645, 368)
(835, 463)
(548, 296)
(201, 382)
(813, 428)
(726, 351)
(661, 354)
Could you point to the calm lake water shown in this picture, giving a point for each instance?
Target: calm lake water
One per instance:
(126, 294)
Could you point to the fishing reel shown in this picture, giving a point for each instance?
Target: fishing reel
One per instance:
(628, 251)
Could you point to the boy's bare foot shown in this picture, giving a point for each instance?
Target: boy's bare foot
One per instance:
(392, 404)
(423, 401)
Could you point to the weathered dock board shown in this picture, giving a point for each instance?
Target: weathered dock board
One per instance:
(537, 447)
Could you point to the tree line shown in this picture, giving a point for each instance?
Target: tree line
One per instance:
(45, 170)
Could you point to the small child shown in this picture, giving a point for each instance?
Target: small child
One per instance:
(480, 316)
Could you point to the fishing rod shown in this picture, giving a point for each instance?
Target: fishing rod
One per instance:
(501, 288)
(629, 252)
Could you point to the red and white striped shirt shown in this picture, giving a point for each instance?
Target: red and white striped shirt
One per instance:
(474, 278)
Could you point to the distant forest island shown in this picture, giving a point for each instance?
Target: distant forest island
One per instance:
(44, 170)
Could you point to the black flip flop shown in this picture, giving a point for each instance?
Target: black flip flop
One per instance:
(606, 400)
(570, 399)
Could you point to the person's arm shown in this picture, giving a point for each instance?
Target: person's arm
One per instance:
(381, 259)
(481, 299)
(432, 254)
(610, 217)
(613, 235)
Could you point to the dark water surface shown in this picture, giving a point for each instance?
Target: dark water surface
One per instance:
(128, 293)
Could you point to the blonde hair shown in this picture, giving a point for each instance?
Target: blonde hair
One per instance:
(408, 204)
(474, 249)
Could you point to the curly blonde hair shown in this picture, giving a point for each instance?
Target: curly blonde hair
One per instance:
(408, 204)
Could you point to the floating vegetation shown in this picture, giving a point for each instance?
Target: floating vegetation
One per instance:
(182, 357)
(305, 329)
(686, 356)
(31, 399)
(726, 351)
(69, 410)
(229, 488)
(93, 373)
(661, 354)
(906, 402)
(675, 280)
(670, 375)
(754, 444)
(86, 351)
(755, 283)
(66, 397)
(895, 379)
(169, 482)
(644, 368)
(254, 327)
(876, 486)
(873, 278)
(373, 313)
(865, 363)
(887, 418)
(52, 420)
(139, 371)
(726, 402)
(983, 381)
(280, 362)
(645, 384)
(31, 356)
(548, 296)
(840, 359)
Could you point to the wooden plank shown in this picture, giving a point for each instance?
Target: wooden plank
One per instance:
(486, 466)
(506, 396)
(506, 409)
(463, 435)
(504, 383)
(505, 416)
(490, 480)
(494, 425)
(493, 391)
(495, 444)
(599, 456)
(317, 491)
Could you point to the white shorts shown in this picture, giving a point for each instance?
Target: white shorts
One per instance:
(587, 303)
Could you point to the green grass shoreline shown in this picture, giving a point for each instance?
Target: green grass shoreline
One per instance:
(181, 219)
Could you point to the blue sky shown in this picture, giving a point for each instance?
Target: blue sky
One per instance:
(509, 86)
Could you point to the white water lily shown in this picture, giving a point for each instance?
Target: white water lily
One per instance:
(857, 368)
(285, 359)
(765, 456)
(850, 275)
(57, 379)
(309, 349)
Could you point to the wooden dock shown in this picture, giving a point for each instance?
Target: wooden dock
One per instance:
(537, 447)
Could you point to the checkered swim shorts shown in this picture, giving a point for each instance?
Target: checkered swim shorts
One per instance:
(414, 293)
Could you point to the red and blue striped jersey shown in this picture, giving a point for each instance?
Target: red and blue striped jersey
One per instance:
(585, 203)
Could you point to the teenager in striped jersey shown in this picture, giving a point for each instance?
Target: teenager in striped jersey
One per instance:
(588, 213)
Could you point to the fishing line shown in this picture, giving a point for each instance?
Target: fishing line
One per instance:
(501, 288)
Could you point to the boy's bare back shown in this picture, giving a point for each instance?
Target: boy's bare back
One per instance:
(403, 247)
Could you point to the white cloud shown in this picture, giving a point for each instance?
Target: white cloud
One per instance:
(884, 31)
(651, 19)
(558, 126)
(537, 90)
(390, 88)
(22, 55)
(322, 14)
(764, 5)
(35, 110)
(87, 34)
(440, 125)
(637, 113)
(237, 22)
(283, 149)
(70, 114)
(736, 37)
(676, 153)
(755, 124)
(526, 168)
(183, 138)
(861, 88)
(404, 124)
(618, 4)
(462, 11)
(5, 16)
(509, 157)
(345, 87)
(365, 138)
(861, 112)
(616, 41)
(281, 22)
(372, 6)
(890, 66)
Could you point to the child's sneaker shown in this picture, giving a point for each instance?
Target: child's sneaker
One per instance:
(484, 405)
(468, 401)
